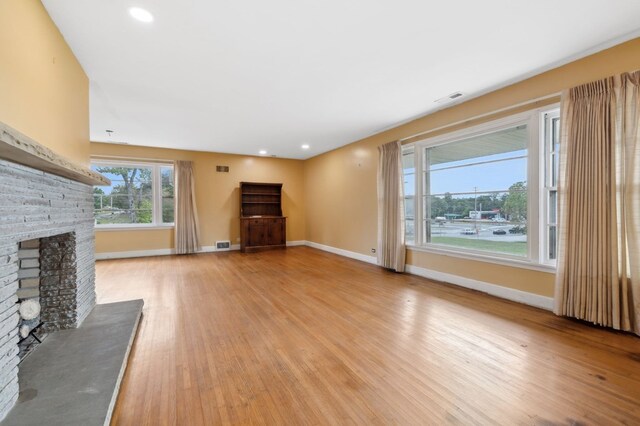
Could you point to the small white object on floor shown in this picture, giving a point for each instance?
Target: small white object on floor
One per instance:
(29, 309)
(24, 331)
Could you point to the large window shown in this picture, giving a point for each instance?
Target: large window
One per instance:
(480, 191)
(139, 194)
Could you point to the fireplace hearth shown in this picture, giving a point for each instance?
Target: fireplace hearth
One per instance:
(47, 265)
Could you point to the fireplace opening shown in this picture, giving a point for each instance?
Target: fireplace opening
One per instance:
(47, 287)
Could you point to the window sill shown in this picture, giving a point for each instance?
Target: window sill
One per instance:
(516, 263)
(132, 227)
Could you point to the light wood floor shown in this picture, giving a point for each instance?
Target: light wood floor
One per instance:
(306, 337)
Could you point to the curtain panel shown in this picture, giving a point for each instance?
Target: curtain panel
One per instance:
(391, 242)
(599, 204)
(186, 218)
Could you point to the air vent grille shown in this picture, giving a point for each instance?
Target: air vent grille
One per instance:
(223, 245)
(449, 98)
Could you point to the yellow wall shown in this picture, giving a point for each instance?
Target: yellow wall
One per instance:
(340, 195)
(44, 93)
(217, 196)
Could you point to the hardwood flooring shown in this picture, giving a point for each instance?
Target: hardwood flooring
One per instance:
(307, 337)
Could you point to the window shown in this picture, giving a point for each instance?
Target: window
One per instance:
(408, 168)
(479, 190)
(140, 195)
(551, 148)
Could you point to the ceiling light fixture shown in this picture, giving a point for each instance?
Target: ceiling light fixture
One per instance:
(305, 146)
(141, 14)
(263, 152)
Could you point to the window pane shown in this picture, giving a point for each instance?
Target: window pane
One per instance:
(410, 232)
(168, 202)
(408, 170)
(555, 124)
(457, 223)
(552, 207)
(129, 198)
(409, 208)
(478, 192)
(552, 243)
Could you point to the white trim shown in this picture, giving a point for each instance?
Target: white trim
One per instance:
(346, 253)
(156, 252)
(484, 257)
(514, 295)
(132, 227)
(170, 251)
(519, 296)
(521, 118)
(136, 253)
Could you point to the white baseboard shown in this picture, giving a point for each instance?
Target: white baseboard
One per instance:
(158, 252)
(514, 295)
(166, 252)
(136, 253)
(492, 289)
(345, 253)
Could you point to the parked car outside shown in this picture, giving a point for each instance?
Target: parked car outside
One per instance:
(499, 232)
(468, 231)
(518, 230)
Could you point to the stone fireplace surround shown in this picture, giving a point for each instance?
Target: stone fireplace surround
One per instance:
(43, 196)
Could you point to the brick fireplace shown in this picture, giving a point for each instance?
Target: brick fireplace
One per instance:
(46, 247)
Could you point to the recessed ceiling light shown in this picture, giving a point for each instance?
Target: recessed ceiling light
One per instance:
(263, 152)
(141, 14)
(305, 146)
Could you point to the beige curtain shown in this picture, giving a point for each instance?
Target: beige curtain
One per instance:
(186, 221)
(391, 246)
(599, 204)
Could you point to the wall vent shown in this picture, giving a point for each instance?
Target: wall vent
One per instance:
(223, 245)
(222, 169)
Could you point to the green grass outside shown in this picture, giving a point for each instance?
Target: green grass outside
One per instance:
(516, 248)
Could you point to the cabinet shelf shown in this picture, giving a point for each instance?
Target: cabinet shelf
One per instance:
(261, 202)
(261, 193)
(262, 225)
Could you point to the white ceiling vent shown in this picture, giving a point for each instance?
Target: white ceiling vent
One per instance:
(449, 98)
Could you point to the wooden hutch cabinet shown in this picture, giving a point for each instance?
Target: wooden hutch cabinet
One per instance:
(262, 225)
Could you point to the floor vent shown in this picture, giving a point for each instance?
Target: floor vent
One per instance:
(223, 245)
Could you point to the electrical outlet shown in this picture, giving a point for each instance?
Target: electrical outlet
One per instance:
(373, 250)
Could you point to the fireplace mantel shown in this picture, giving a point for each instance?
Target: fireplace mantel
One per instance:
(21, 149)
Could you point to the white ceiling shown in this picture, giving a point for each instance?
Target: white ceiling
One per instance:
(240, 76)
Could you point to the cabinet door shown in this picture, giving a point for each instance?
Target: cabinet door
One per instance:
(257, 232)
(277, 232)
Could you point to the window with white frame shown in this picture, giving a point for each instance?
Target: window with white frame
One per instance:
(409, 171)
(140, 194)
(552, 165)
(487, 191)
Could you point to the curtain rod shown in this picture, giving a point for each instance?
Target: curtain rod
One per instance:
(486, 114)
